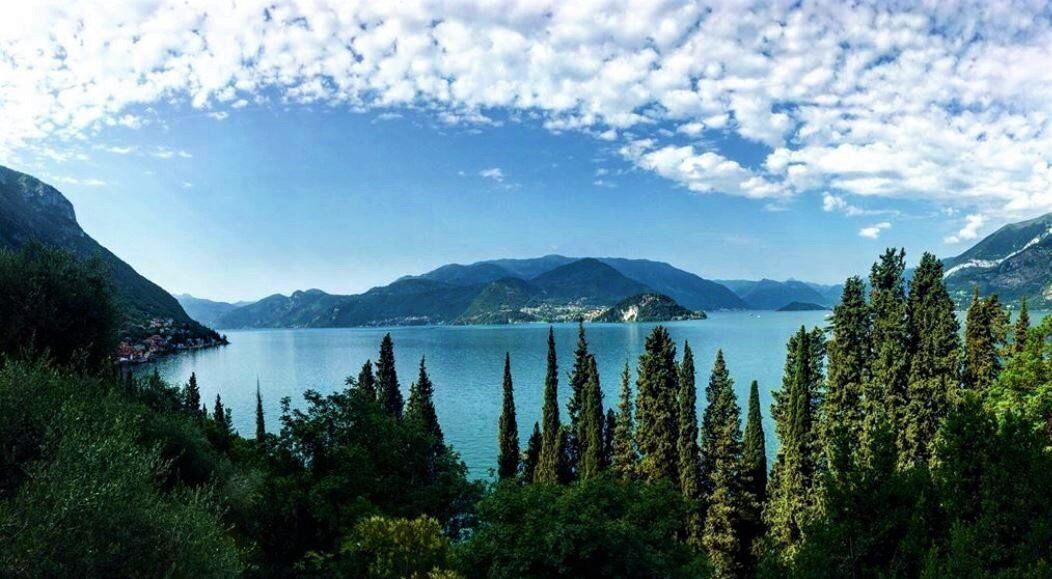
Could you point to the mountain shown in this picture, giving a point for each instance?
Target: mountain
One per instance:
(530, 268)
(1013, 262)
(690, 290)
(801, 307)
(648, 307)
(768, 294)
(831, 292)
(587, 281)
(457, 274)
(502, 302)
(31, 210)
(205, 311)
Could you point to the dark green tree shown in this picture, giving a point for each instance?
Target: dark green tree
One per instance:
(625, 460)
(366, 381)
(192, 395)
(261, 426)
(687, 449)
(553, 461)
(531, 457)
(656, 413)
(508, 461)
(934, 373)
(721, 447)
(388, 392)
(985, 333)
(579, 376)
(591, 424)
(850, 351)
(1022, 328)
(609, 427)
(753, 478)
(421, 407)
(889, 370)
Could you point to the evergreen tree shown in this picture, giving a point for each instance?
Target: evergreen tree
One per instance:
(219, 413)
(421, 407)
(553, 461)
(934, 372)
(508, 462)
(261, 426)
(532, 456)
(985, 332)
(754, 477)
(1022, 328)
(721, 441)
(388, 391)
(591, 423)
(890, 337)
(687, 446)
(609, 427)
(657, 420)
(849, 355)
(192, 396)
(791, 486)
(579, 377)
(625, 459)
(366, 382)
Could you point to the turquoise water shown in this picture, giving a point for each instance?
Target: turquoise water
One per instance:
(466, 365)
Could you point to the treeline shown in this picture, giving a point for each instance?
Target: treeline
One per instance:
(905, 449)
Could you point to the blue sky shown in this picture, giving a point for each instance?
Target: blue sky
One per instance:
(235, 152)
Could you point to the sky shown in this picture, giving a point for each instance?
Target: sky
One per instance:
(232, 150)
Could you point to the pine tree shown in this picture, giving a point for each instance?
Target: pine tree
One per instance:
(532, 456)
(218, 413)
(934, 372)
(609, 427)
(625, 461)
(849, 356)
(890, 366)
(591, 423)
(656, 413)
(389, 392)
(722, 455)
(366, 381)
(985, 332)
(754, 477)
(579, 377)
(553, 459)
(508, 462)
(791, 486)
(192, 396)
(421, 407)
(261, 427)
(687, 449)
(1022, 328)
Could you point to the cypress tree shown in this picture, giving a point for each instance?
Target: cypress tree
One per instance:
(261, 427)
(754, 477)
(192, 396)
(687, 445)
(389, 392)
(890, 367)
(657, 421)
(791, 486)
(219, 413)
(625, 453)
(984, 334)
(849, 356)
(1022, 328)
(609, 427)
(366, 382)
(553, 460)
(508, 462)
(722, 455)
(934, 372)
(421, 407)
(590, 433)
(579, 377)
(532, 456)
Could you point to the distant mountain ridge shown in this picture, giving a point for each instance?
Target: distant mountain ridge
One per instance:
(768, 294)
(648, 307)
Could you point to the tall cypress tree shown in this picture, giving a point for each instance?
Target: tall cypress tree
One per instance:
(849, 357)
(192, 396)
(625, 461)
(985, 331)
(421, 407)
(579, 377)
(219, 413)
(721, 441)
(366, 381)
(890, 367)
(934, 372)
(553, 451)
(508, 461)
(754, 477)
(609, 427)
(531, 458)
(791, 486)
(261, 426)
(389, 392)
(687, 445)
(656, 413)
(1022, 329)
(590, 433)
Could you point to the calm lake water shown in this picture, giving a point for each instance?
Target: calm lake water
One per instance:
(466, 365)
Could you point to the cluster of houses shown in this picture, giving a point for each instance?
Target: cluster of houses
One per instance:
(160, 337)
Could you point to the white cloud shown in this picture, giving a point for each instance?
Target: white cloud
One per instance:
(219, 115)
(75, 181)
(972, 224)
(493, 173)
(940, 102)
(874, 231)
(117, 150)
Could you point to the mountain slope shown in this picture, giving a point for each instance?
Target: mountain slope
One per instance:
(502, 302)
(648, 307)
(690, 290)
(587, 281)
(205, 311)
(31, 210)
(768, 294)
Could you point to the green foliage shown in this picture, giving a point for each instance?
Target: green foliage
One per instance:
(553, 465)
(625, 461)
(192, 395)
(579, 378)
(656, 413)
(387, 548)
(1024, 387)
(753, 477)
(388, 391)
(261, 424)
(508, 460)
(889, 367)
(687, 450)
(591, 425)
(985, 333)
(1021, 328)
(52, 303)
(531, 457)
(599, 527)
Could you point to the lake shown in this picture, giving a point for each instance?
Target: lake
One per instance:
(466, 365)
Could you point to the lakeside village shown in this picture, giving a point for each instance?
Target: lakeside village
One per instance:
(157, 337)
